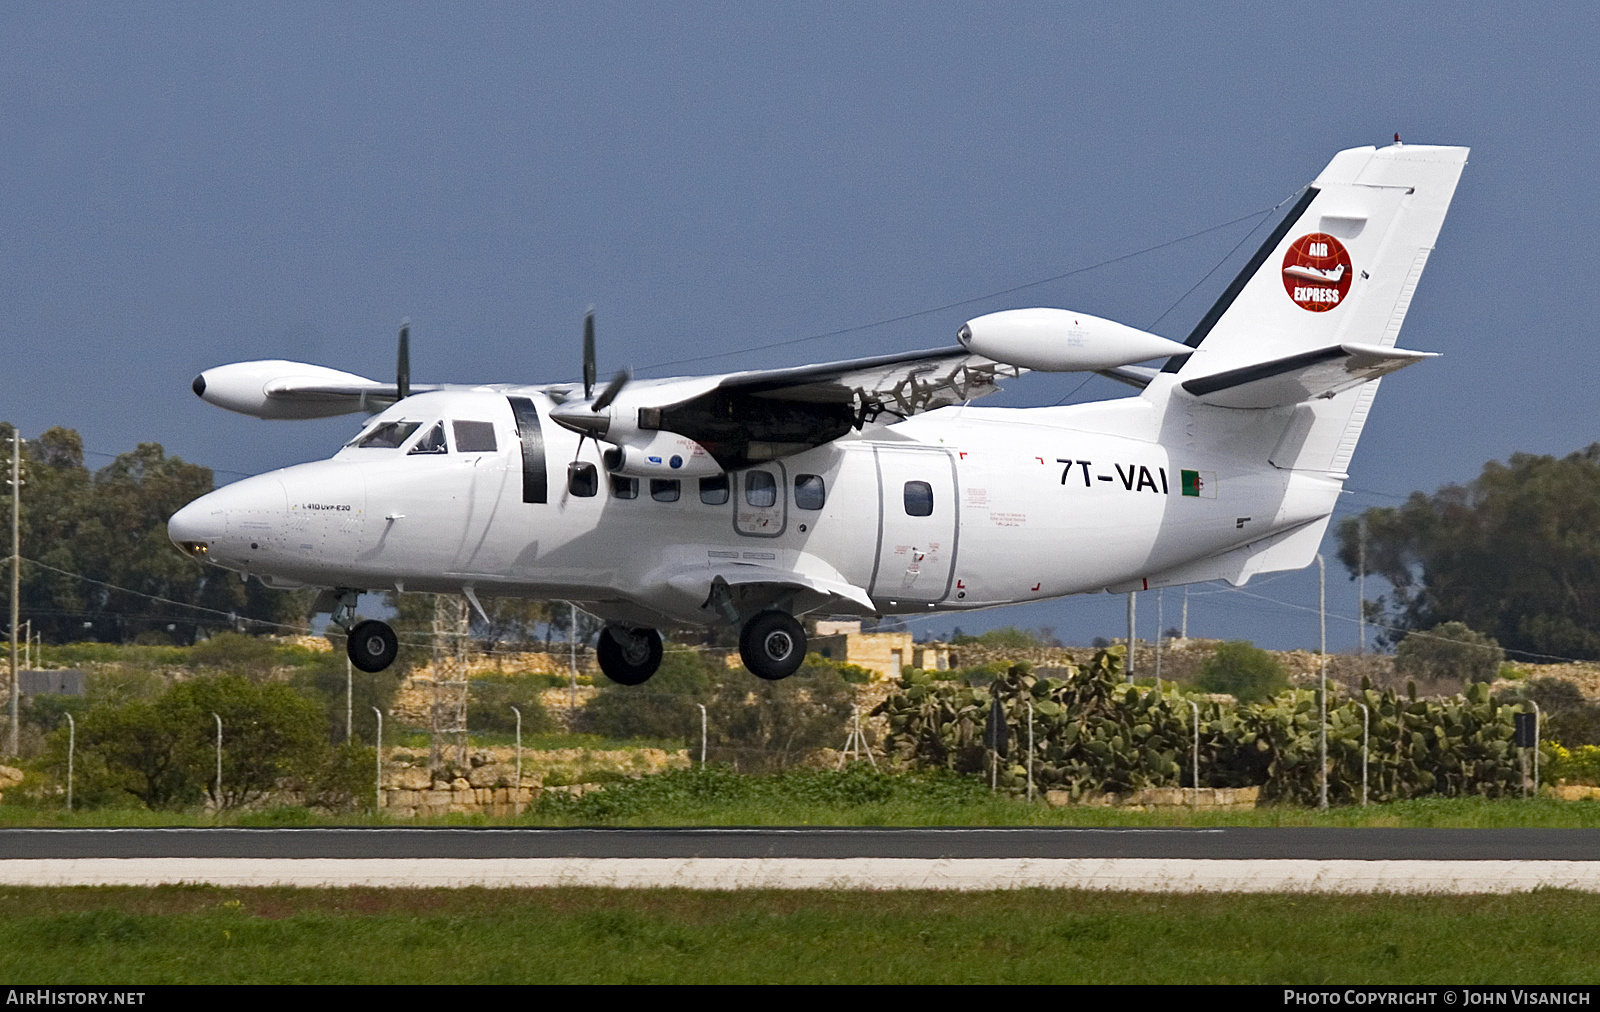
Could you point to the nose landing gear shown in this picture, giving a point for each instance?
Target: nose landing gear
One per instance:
(629, 656)
(371, 645)
(772, 645)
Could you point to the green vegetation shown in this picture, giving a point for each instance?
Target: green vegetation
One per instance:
(1094, 733)
(403, 936)
(1448, 653)
(753, 725)
(1243, 671)
(1515, 553)
(161, 752)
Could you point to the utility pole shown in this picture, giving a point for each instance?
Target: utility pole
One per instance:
(349, 699)
(1184, 628)
(16, 577)
(1133, 637)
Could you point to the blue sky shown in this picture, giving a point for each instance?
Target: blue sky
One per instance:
(183, 186)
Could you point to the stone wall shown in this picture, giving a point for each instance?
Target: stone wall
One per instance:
(489, 786)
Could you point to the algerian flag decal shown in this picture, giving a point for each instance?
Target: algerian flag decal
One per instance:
(1201, 484)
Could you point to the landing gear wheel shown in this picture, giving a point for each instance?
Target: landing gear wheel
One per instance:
(629, 656)
(372, 645)
(772, 645)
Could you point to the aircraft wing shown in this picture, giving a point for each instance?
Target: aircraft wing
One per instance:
(1303, 377)
(745, 417)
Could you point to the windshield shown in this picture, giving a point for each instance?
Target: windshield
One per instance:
(385, 435)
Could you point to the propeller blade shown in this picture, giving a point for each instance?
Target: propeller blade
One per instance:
(402, 369)
(611, 391)
(588, 355)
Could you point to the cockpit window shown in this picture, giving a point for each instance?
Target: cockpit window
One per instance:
(432, 441)
(386, 435)
(474, 437)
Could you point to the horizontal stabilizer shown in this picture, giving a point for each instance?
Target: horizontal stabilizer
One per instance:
(1295, 379)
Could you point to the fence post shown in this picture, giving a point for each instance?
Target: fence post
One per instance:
(377, 790)
(219, 763)
(72, 742)
(1029, 701)
(1196, 759)
(1364, 714)
(1535, 747)
(702, 707)
(516, 805)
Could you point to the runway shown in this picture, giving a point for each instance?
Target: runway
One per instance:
(963, 859)
(835, 843)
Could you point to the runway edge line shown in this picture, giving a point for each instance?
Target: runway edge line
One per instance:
(1162, 875)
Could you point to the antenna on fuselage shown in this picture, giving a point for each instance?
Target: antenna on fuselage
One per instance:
(402, 368)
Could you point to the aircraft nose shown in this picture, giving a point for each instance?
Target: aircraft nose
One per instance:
(197, 527)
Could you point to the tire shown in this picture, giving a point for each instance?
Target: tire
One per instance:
(632, 659)
(773, 645)
(372, 646)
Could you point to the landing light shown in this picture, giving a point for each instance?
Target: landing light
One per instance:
(196, 549)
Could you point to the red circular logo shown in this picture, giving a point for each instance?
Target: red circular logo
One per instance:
(1316, 272)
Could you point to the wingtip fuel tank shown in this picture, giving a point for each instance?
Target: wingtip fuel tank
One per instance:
(1059, 340)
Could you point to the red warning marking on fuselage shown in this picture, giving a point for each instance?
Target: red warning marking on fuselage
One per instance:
(1037, 586)
(1317, 272)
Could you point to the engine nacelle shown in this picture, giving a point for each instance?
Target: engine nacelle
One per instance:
(1057, 340)
(279, 389)
(661, 455)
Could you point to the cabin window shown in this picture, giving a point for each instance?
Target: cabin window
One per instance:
(624, 488)
(474, 437)
(714, 491)
(432, 441)
(919, 499)
(583, 480)
(761, 489)
(664, 489)
(810, 491)
(387, 435)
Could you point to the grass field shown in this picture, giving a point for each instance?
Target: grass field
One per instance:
(858, 796)
(209, 935)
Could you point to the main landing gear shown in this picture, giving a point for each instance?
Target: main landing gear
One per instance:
(772, 644)
(629, 656)
(371, 645)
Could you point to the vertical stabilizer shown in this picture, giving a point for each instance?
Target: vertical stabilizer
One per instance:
(1339, 269)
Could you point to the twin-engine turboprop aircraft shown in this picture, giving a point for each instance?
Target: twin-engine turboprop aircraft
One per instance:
(862, 487)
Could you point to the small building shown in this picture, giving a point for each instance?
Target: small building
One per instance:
(884, 653)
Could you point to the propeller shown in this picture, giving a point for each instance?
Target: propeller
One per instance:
(593, 422)
(588, 354)
(402, 369)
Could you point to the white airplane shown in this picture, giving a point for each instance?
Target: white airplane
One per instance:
(864, 487)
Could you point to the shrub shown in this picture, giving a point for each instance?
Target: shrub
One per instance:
(163, 751)
(1449, 652)
(490, 701)
(1244, 671)
(664, 708)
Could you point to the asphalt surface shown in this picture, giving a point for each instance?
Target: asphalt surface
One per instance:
(809, 842)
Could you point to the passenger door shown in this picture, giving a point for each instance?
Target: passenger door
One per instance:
(917, 524)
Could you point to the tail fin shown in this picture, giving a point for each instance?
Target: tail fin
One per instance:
(1338, 270)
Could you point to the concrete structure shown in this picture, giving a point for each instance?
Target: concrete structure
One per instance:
(883, 653)
(61, 681)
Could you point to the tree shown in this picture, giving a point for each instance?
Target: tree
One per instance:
(111, 527)
(1448, 652)
(1244, 671)
(1515, 553)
